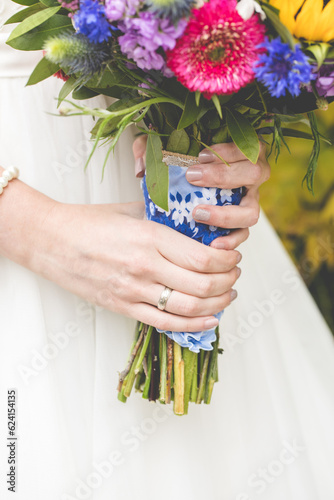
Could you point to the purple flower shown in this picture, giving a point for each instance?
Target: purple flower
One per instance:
(90, 21)
(282, 69)
(325, 80)
(119, 9)
(144, 35)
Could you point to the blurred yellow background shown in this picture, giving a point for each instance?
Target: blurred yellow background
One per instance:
(304, 222)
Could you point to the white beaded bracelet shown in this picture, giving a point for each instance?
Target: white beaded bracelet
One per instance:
(7, 175)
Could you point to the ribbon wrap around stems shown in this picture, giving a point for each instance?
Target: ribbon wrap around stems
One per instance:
(182, 199)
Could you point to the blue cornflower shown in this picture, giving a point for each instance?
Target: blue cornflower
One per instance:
(90, 20)
(282, 69)
(171, 9)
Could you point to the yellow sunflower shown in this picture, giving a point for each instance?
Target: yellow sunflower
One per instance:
(307, 19)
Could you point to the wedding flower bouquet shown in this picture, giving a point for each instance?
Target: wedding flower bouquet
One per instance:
(188, 74)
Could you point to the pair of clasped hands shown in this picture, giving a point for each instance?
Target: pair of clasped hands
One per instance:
(111, 256)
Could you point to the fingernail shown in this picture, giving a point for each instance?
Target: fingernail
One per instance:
(211, 323)
(238, 271)
(218, 244)
(194, 174)
(206, 156)
(239, 258)
(233, 295)
(202, 215)
(140, 167)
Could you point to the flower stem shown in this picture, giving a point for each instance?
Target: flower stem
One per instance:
(147, 333)
(194, 384)
(134, 350)
(169, 370)
(189, 358)
(163, 368)
(155, 374)
(178, 380)
(202, 381)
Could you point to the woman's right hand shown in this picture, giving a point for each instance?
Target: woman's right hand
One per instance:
(110, 256)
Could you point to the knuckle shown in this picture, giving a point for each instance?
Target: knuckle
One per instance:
(205, 287)
(189, 308)
(201, 260)
(256, 173)
(138, 265)
(254, 215)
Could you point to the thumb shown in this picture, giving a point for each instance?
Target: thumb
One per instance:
(139, 152)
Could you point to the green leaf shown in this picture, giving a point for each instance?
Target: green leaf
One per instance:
(24, 2)
(194, 148)
(83, 93)
(157, 177)
(197, 97)
(112, 123)
(43, 70)
(320, 52)
(67, 88)
(178, 142)
(282, 30)
(218, 107)
(49, 3)
(190, 112)
(32, 22)
(313, 161)
(35, 39)
(243, 135)
(19, 16)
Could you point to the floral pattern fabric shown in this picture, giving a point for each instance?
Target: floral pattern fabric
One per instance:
(182, 199)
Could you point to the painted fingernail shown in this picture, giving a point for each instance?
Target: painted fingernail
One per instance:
(206, 156)
(202, 215)
(238, 271)
(211, 323)
(239, 258)
(139, 167)
(194, 174)
(233, 295)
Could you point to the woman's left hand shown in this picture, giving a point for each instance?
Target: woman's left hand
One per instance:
(212, 172)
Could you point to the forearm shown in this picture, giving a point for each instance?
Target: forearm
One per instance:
(23, 211)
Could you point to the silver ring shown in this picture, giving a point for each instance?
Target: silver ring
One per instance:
(165, 294)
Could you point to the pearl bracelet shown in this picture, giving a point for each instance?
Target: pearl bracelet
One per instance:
(7, 175)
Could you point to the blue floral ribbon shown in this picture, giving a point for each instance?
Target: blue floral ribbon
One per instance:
(182, 199)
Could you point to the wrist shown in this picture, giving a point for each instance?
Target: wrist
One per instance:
(22, 214)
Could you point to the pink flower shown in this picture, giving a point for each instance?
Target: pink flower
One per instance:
(218, 49)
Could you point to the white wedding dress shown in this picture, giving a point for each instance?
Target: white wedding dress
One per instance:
(268, 433)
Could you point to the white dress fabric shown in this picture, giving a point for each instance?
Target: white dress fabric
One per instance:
(268, 433)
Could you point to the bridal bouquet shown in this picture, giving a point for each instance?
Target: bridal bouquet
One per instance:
(188, 74)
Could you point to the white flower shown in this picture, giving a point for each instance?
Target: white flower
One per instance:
(246, 9)
(209, 197)
(226, 195)
(181, 210)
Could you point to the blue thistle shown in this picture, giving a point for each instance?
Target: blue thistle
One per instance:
(172, 9)
(76, 54)
(282, 69)
(90, 20)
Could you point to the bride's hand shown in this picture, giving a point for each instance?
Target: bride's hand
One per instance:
(110, 256)
(212, 172)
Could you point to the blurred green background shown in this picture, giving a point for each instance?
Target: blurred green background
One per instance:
(304, 222)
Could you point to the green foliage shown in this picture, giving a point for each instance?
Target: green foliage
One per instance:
(243, 135)
(43, 70)
(156, 172)
(178, 142)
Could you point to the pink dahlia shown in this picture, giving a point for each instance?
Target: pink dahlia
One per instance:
(218, 49)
